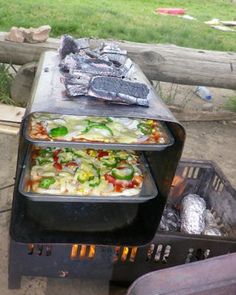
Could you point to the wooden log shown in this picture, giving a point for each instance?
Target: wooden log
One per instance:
(22, 83)
(201, 116)
(22, 53)
(159, 62)
(11, 113)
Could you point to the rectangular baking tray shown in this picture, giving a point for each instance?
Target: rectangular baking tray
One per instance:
(100, 145)
(148, 190)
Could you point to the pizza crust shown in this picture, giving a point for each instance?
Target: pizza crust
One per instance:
(126, 192)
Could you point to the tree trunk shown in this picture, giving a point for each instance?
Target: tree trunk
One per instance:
(159, 62)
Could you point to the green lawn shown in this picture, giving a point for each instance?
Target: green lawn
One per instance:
(132, 20)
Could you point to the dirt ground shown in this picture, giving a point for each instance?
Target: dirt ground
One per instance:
(210, 141)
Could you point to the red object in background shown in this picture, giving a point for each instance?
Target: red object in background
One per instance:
(172, 11)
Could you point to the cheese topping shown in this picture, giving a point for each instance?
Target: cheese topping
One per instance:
(68, 171)
(97, 129)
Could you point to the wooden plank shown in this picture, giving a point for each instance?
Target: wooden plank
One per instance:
(9, 129)
(159, 62)
(11, 124)
(11, 113)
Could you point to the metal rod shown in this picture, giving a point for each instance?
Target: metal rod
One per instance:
(7, 186)
(5, 210)
(14, 69)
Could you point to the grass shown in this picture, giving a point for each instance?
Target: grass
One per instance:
(231, 104)
(5, 84)
(132, 20)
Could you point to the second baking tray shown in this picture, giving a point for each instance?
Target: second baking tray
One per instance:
(148, 190)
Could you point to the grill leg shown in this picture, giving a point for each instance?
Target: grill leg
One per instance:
(14, 275)
(14, 280)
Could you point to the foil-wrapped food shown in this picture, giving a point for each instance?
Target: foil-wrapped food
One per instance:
(192, 214)
(196, 219)
(112, 89)
(193, 218)
(102, 73)
(170, 220)
(212, 225)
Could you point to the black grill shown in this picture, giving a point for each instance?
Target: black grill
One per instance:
(126, 263)
(43, 234)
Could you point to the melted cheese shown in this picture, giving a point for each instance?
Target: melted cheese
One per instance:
(125, 130)
(66, 180)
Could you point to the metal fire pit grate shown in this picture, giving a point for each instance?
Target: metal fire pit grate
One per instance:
(125, 264)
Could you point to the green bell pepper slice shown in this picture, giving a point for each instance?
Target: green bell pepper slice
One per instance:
(86, 172)
(145, 128)
(67, 150)
(45, 152)
(99, 120)
(95, 182)
(98, 126)
(58, 131)
(83, 176)
(42, 161)
(124, 172)
(109, 161)
(121, 155)
(46, 182)
(65, 157)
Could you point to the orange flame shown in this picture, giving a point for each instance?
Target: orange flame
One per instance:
(83, 251)
(74, 251)
(177, 187)
(91, 251)
(124, 254)
(133, 254)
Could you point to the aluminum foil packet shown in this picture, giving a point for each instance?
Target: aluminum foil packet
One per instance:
(170, 220)
(113, 53)
(213, 225)
(192, 214)
(70, 45)
(212, 231)
(112, 89)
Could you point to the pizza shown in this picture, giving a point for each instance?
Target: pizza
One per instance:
(54, 127)
(69, 171)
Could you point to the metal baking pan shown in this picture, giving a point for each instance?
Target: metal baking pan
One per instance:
(101, 145)
(148, 190)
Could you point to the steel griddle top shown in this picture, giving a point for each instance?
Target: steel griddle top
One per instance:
(49, 96)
